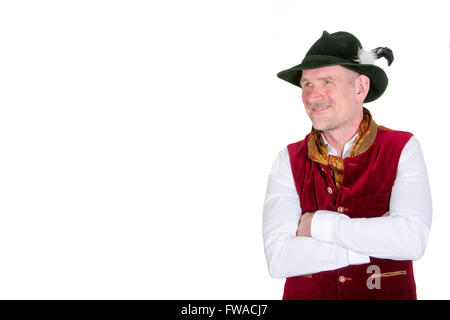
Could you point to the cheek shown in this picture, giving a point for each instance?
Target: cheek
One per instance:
(343, 96)
(305, 102)
(332, 92)
(336, 97)
(304, 97)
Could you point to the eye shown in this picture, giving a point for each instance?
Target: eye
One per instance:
(328, 82)
(306, 84)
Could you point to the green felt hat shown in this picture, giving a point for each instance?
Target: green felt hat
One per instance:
(344, 49)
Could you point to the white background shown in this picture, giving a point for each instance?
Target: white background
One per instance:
(136, 138)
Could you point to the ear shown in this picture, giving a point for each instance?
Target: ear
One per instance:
(362, 86)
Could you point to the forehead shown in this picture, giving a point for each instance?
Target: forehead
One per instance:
(325, 72)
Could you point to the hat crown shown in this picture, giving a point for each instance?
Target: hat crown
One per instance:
(339, 44)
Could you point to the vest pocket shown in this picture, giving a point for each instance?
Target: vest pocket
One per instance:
(369, 206)
(370, 201)
(389, 274)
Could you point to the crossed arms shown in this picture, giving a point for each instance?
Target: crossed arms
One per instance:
(297, 244)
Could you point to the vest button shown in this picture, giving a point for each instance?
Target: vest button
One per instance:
(341, 209)
(341, 279)
(330, 191)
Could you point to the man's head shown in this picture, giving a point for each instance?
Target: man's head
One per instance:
(333, 97)
(343, 49)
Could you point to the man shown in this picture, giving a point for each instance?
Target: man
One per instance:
(347, 208)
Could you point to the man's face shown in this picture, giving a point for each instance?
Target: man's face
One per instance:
(330, 99)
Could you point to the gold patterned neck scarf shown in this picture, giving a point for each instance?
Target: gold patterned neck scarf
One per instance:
(318, 151)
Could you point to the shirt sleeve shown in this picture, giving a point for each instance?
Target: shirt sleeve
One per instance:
(286, 254)
(401, 236)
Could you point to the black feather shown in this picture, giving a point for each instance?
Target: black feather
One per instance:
(384, 52)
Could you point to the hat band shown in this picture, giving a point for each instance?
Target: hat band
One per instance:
(332, 59)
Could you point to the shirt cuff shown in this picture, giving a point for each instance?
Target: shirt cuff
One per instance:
(356, 258)
(323, 223)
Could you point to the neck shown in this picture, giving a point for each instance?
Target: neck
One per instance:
(339, 137)
(338, 142)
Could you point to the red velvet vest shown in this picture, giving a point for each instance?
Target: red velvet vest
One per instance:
(364, 193)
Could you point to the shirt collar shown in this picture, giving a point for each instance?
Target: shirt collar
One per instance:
(347, 147)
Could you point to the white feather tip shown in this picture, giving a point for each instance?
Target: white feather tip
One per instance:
(366, 57)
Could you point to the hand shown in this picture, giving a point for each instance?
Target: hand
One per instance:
(304, 225)
(386, 214)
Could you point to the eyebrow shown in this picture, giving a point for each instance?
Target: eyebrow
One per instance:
(320, 78)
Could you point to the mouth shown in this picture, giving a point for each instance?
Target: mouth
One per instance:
(321, 108)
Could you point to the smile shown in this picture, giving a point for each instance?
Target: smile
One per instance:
(317, 109)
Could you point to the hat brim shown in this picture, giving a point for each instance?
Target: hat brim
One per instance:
(377, 76)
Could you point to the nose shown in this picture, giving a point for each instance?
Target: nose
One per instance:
(314, 94)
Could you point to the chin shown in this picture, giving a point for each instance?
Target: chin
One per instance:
(320, 126)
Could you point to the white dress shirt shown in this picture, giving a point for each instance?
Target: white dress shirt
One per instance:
(338, 240)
